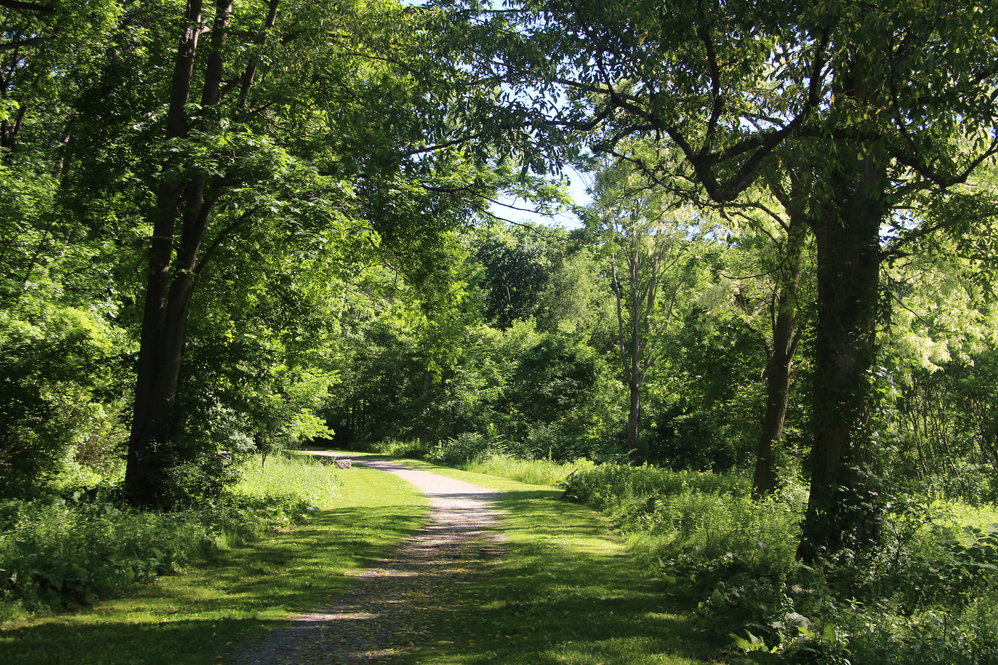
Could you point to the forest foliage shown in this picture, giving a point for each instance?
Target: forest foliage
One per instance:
(237, 226)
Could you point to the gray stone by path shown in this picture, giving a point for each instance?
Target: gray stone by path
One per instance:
(379, 617)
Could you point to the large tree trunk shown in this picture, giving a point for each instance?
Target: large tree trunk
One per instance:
(171, 277)
(847, 233)
(779, 364)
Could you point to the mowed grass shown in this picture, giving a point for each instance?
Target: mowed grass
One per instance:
(197, 617)
(565, 591)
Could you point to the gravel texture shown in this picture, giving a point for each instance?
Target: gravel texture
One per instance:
(380, 617)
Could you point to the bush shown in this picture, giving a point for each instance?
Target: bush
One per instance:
(699, 441)
(57, 371)
(57, 553)
(933, 637)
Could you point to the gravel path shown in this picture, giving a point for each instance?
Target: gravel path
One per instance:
(379, 618)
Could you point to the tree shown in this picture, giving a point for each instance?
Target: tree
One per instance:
(573, 299)
(936, 348)
(62, 388)
(646, 237)
(772, 228)
(886, 102)
(290, 116)
(517, 262)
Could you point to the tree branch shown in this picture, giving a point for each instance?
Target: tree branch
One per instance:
(31, 41)
(715, 80)
(27, 6)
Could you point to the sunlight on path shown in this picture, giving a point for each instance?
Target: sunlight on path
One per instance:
(381, 616)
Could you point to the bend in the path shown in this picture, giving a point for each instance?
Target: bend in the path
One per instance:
(380, 616)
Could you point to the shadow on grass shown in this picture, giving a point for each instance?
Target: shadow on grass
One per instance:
(194, 618)
(564, 593)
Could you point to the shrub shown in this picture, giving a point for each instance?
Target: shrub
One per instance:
(58, 367)
(936, 636)
(58, 552)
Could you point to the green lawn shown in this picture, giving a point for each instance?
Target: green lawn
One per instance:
(192, 619)
(566, 591)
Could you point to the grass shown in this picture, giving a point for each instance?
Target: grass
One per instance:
(566, 591)
(194, 618)
(290, 474)
(532, 472)
(958, 514)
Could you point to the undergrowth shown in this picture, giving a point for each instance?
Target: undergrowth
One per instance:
(68, 551)
(926, 596)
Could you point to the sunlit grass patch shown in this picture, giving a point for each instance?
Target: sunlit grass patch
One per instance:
(192, 619)
(532, 472)
(565, 591)
(296, 475)
(958, 514)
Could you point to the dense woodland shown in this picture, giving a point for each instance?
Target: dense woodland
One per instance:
(233, 227)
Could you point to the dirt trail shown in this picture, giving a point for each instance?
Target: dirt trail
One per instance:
(380, 616)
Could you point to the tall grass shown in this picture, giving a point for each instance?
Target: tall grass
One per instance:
(58, 552)
(610, 486)
(412, 448)
(691, 522)
(927, 596)
(299, 476)
(533, 472)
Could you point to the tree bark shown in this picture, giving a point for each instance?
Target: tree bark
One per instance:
(171, 277)
(847, 232)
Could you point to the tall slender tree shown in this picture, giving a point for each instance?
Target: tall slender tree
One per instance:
(779, 223)
(646, 237)
(274, 104)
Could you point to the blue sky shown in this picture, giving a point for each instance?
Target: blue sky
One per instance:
(577, 184)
